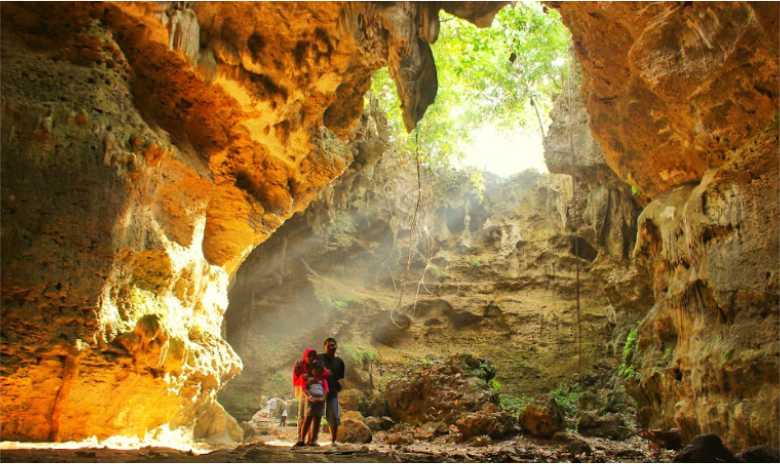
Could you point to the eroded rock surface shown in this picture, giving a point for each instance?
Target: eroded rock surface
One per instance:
(683, 99)
(147, 149)
(673, 89)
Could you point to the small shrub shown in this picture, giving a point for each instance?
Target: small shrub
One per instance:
(513, 404)
(360, 355)
(626, 368)
(475, 262)
(567, 398)
(495, 385)
(340, 304)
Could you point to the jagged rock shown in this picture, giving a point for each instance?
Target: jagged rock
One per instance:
(607, 426)
(542, 421)
(399, 438)
(705, 448)
(643, 59)
(430, 430)
(379, 423)
(713, 264)
(353, 429)
(390, 328)
(441, 392)
(703, 152)
(216, 426)
(573, 443)
(494, 425)
(492, 310)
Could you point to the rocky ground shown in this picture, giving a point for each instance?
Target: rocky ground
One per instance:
(520, 449)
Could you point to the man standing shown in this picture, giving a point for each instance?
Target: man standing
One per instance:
(335, 365)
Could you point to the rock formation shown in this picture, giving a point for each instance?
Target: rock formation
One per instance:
(147, 149)
(683, 99)
(485, 266)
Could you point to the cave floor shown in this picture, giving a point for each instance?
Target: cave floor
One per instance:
(516, 450)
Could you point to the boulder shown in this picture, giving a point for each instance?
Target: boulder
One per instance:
(430, 430)
(760, 454)
(542, 421)
(573, 443)
(215, 426)
(399, 438)
(610, 425)
(390, 328)
(353, 429)
(379, 423)
(494, 425)
(705, 448)
(442, 391)
(669, 439)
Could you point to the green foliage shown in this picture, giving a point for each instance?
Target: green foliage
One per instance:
(513, 404)
(359, 355)
(507, 75)
(567, 398)
(475, 262)
(484, 370)
(626, 368)
(495, 385)
(339, 303)
(635, 191)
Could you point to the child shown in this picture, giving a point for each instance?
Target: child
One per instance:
(316, 391)
(300, 376)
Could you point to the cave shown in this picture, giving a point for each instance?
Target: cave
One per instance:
(194, 193)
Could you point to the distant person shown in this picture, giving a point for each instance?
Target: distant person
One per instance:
(315, 391)
(335, 366)
(300, 373)
(283, 415)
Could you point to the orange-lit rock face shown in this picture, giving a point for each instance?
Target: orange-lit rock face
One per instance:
(683, 99)
(708, 355)
(146, 149)
(673, 88)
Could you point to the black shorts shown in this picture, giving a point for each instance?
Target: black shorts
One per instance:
(315, 408)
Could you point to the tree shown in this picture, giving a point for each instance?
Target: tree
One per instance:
(507, 75)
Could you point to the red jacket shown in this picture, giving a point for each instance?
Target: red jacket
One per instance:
(302, 367)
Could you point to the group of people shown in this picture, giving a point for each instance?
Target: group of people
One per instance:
(316, 379)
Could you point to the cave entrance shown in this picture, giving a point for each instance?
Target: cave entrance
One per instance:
(452, 239)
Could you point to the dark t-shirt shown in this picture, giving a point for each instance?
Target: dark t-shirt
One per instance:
(336, 367)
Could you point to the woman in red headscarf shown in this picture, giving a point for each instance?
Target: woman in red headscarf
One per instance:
(300, 373)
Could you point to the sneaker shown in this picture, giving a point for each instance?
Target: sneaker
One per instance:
(298, 445)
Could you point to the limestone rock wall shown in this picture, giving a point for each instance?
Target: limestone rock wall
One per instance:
(708, 356)
(683, 99)
(147, 148)
(672, 89)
